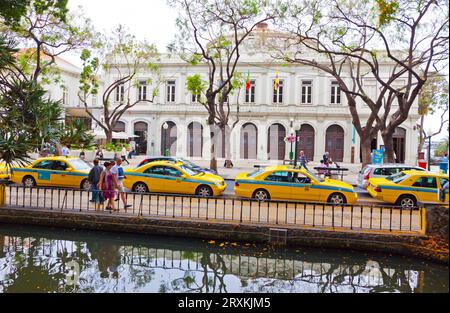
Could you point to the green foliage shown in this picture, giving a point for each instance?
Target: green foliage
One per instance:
(110, 147)
(386, 11)
(76, 135)
(442, 148)
(433, 96)
(195, 85)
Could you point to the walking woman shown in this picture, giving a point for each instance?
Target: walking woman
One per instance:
(108, 186)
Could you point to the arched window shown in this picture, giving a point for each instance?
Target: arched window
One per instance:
(169, 138)
(335, 143)
(195, 140)
(307, 138)
(249, 141)
(276, 146)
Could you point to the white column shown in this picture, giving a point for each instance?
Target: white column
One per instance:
(319, 147)
(182, 139)
(262, 140)
(348, 142)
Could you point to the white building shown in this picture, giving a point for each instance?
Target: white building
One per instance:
(308, 101)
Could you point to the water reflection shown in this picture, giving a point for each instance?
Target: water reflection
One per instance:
(44, 260)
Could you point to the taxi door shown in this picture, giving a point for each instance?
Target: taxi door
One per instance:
(302, 188)
(155, 178)
(42, 173)
(59, 175)
(178, 183)
(278, 184)
(426, 189)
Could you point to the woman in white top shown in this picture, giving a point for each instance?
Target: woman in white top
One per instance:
(123, 154)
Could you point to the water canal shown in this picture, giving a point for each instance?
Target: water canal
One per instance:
(34, 259)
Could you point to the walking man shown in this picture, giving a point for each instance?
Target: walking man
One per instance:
(94, 178)
(119, 173)
(303, 160)
(124, 155)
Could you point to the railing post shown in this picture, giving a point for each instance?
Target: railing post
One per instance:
(2, 194)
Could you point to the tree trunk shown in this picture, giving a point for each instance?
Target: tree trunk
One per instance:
(108, 136)
(388, 146)
(366, 147)
(213, 139)
(421, 136)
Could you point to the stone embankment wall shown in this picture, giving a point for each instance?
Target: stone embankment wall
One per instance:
(385, 242)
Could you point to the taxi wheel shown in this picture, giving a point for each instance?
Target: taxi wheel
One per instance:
(204, 191)
(337, 198)
(140, 188)
(28, 181)
(407, 202)
(85, 185)
(261, 195)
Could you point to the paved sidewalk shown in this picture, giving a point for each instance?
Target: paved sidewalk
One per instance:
(248, 166)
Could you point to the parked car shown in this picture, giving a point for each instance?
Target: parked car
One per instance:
(285, 183)
(382, 170)
(407, 188)
(4, 175)
(57, 171)
(176, 159)
(170, 177)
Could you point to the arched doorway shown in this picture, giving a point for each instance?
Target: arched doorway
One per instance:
(169, 138)
(276, 147)
(249, 141)
(306, 144)
(195, 139)
(141, 130)
(334, 142)
(119, 127)
(399, 141)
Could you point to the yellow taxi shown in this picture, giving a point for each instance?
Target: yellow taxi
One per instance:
(4, 175)
(173, 177)
(57, 171)
(284, 183)
(407, 188)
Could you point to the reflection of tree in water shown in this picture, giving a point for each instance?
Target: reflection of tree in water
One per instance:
(30, 273)
(212, 272)
(106, 265)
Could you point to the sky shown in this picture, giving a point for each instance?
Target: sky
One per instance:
(154, 20)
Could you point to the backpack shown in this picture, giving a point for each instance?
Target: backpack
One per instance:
(90, 177)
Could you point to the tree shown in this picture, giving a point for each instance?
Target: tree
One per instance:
(75, 133)
(47, 30)
(432, 99)
(442, 148)
(355, 39)
(212, 32)
(28, 117)
(122, 56)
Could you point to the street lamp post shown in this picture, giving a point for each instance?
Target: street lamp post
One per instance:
(291, 154)
(297, 141)
(165, 126)
(430, 134)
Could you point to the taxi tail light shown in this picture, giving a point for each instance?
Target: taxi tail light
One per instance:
(367, 175)
(377, 189)
(236, 184)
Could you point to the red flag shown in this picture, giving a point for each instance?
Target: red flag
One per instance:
(248, 83)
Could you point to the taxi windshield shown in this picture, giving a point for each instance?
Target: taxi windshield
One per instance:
(255, 173)
(316, 177)
(189, 171)
(396, 178)
(80, 165)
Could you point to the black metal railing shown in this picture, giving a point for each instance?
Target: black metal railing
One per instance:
(363, 216)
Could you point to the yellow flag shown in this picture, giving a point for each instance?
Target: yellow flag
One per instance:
(276, 85)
